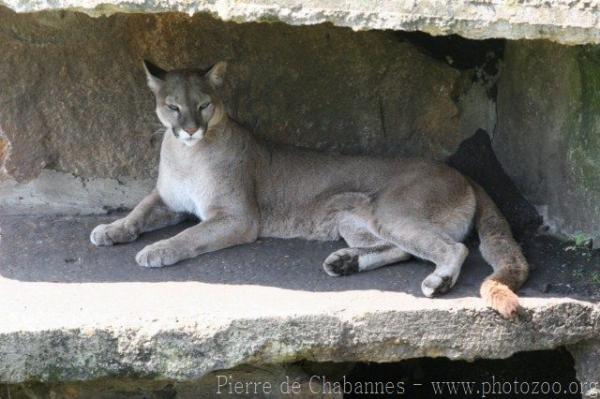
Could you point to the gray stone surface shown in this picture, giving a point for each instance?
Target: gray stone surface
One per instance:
(285, 381)
(74, 98)
(71, 311)
(548, 132)
(587, 365)
(563, 21)
(65, 194)
(265, 381)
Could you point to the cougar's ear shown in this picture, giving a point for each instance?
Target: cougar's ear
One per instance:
(216, 73)
(155, 76)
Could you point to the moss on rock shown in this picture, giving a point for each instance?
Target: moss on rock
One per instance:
(548, 135)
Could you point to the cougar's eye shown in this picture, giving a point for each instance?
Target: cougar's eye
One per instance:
(173, 107)
(202, 107)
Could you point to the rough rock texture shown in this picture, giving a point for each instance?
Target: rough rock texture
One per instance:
(63, 193)
(563, 21)
(71, 311)
(587, 364)
(412, 378)
(243, 382)
(548, 132)
(74, 98)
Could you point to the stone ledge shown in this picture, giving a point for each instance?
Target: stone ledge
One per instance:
(74, 312)
(65, 194)
(562, 21)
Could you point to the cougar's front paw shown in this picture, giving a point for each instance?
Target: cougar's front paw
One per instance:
(157, 255)
(341, 263)
(110, 234)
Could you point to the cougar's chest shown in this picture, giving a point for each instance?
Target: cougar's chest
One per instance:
(182, 188)
(176, 192)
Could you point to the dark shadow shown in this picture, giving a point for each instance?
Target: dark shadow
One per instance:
(57, 249)
(539, 374)
(458, 52)
(476, 159)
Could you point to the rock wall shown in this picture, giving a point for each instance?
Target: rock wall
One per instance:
(587, 364)
(78, 133)
(548, 133)
(74, 98)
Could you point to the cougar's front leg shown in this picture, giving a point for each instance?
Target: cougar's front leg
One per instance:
(214, 233)
(150, 214)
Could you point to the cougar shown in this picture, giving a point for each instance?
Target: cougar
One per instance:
(386, 210)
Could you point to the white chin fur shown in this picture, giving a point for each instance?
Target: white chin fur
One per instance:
(190, 141)
(193, 139)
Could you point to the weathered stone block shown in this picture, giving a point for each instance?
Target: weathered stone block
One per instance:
(587, 365)
(279, 381)
(548, 133)
(71, 312)
(563, 21)
(74, 98)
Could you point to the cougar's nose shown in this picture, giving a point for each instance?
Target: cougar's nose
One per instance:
(190, 131)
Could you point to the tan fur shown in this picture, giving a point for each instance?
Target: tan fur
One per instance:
(241, 189)
(499, 249)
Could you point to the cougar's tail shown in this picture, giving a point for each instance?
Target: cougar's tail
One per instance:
(500, 250)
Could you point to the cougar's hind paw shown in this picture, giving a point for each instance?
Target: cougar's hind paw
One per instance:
(341, 263)
(435, 284)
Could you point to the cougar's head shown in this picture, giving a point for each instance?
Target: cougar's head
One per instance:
(187, 103)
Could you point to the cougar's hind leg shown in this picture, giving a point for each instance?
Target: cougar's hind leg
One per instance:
(423, 241)
(365, 252)
(361, 259)
(428, 218)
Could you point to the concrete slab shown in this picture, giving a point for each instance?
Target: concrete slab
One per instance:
(71, 311)
(563, 21)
